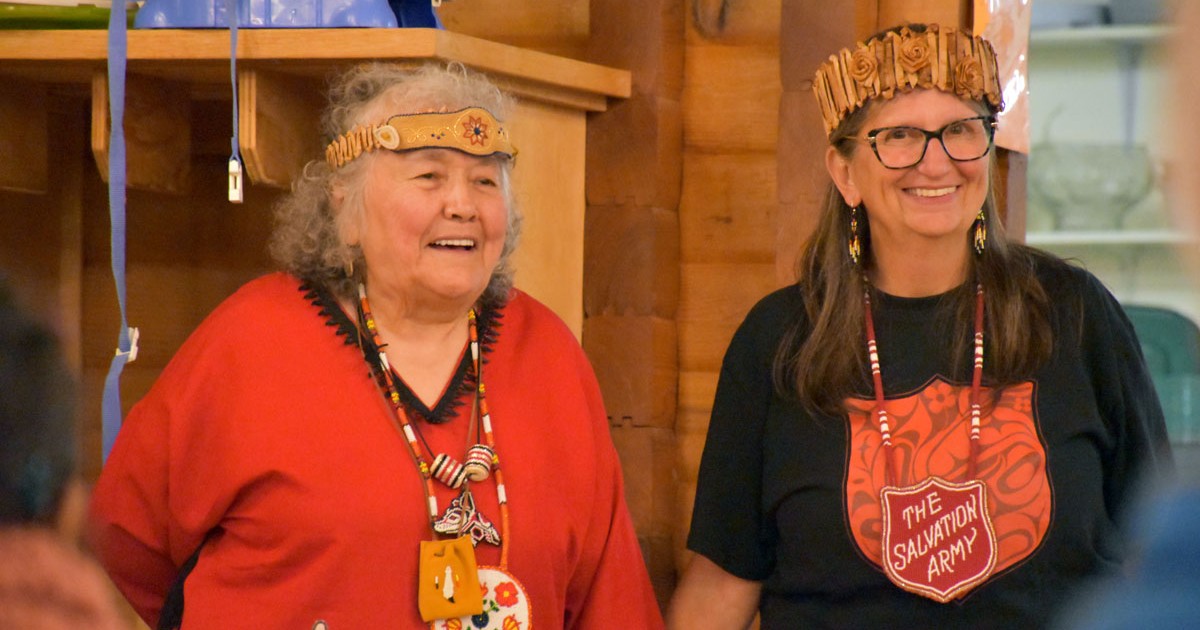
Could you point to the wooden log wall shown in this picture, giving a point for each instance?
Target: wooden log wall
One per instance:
(728, 210)
(631, 252)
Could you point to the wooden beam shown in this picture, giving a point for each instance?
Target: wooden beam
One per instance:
(278, 118)
(202, 56)
(635, 149)
(637, 365)
(632, 261)
(158, 133)
(631, 283)
(946, 12)
(802, 179)
(69, 179)
(24, 137)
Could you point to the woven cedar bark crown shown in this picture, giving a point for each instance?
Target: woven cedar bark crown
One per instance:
(943, 58)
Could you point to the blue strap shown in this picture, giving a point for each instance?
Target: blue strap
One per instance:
(126, 344)
(236, 180)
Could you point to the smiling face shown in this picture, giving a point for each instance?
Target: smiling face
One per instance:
(933, 203)
(433, 226)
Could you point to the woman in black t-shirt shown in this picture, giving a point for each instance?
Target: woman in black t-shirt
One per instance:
(935, 427)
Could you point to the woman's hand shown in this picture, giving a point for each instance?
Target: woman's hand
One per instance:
(711, 597)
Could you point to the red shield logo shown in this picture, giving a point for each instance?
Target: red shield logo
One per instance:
(938, 539)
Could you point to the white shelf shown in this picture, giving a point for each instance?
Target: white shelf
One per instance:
(1110, 237)
(1123, 34)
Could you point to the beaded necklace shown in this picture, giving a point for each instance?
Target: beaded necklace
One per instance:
(457, 595)
(881, 411)
(482, 459)
(937, 537)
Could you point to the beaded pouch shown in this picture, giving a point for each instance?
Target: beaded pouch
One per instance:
(449, 579)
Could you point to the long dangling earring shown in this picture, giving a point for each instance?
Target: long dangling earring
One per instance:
(855, 245)
(980, 233)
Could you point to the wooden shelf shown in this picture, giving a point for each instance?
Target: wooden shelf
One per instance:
(281, 75)
(1110, 237)
(201, 57)
(281, 79)
(1123, 34)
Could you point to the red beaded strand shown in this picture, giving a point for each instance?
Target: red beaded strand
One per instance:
(976, 383)
(385, 368)
(885, 431)
(485, 418)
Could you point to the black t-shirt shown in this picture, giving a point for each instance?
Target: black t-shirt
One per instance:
(786, 498)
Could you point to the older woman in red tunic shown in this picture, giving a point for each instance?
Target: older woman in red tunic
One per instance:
(386, 434)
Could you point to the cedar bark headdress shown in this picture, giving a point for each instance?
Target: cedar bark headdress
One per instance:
(942, 58)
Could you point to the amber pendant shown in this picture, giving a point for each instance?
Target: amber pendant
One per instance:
(938, 539)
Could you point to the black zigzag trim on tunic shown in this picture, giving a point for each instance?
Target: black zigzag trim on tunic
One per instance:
(462, 384)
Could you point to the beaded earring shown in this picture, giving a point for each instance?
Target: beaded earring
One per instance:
(980, 232)
(855, 245)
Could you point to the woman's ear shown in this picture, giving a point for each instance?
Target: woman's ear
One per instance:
(839, 171)
(347, 227)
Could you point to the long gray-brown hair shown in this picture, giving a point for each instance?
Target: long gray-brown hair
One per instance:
(822, 357)
(307, 239)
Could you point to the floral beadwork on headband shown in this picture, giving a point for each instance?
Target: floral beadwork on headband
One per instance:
(942, 58)
(472, 130)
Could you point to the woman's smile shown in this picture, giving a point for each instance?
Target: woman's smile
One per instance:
(454, 244)
(932, 192)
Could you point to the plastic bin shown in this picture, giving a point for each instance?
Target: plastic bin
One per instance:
(268, 14)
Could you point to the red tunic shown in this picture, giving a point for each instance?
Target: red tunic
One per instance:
(267, 434)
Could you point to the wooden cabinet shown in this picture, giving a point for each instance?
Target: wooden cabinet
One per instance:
(188, 247)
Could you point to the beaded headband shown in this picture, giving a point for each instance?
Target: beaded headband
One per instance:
(472, 130)
(945, 58)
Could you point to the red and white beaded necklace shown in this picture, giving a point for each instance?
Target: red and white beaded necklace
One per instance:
(482, 459)
(461, 518)
(915, 540)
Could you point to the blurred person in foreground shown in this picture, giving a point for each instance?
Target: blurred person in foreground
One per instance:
(386, 433)
(46, 581)
(936, 426)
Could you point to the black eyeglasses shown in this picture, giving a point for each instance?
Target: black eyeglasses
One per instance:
(902, 147)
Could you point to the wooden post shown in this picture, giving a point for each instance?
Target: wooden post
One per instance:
(802, 140)
(948, 12)
(631, 278)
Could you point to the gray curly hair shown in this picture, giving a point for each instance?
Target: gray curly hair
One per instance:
(307, 239)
